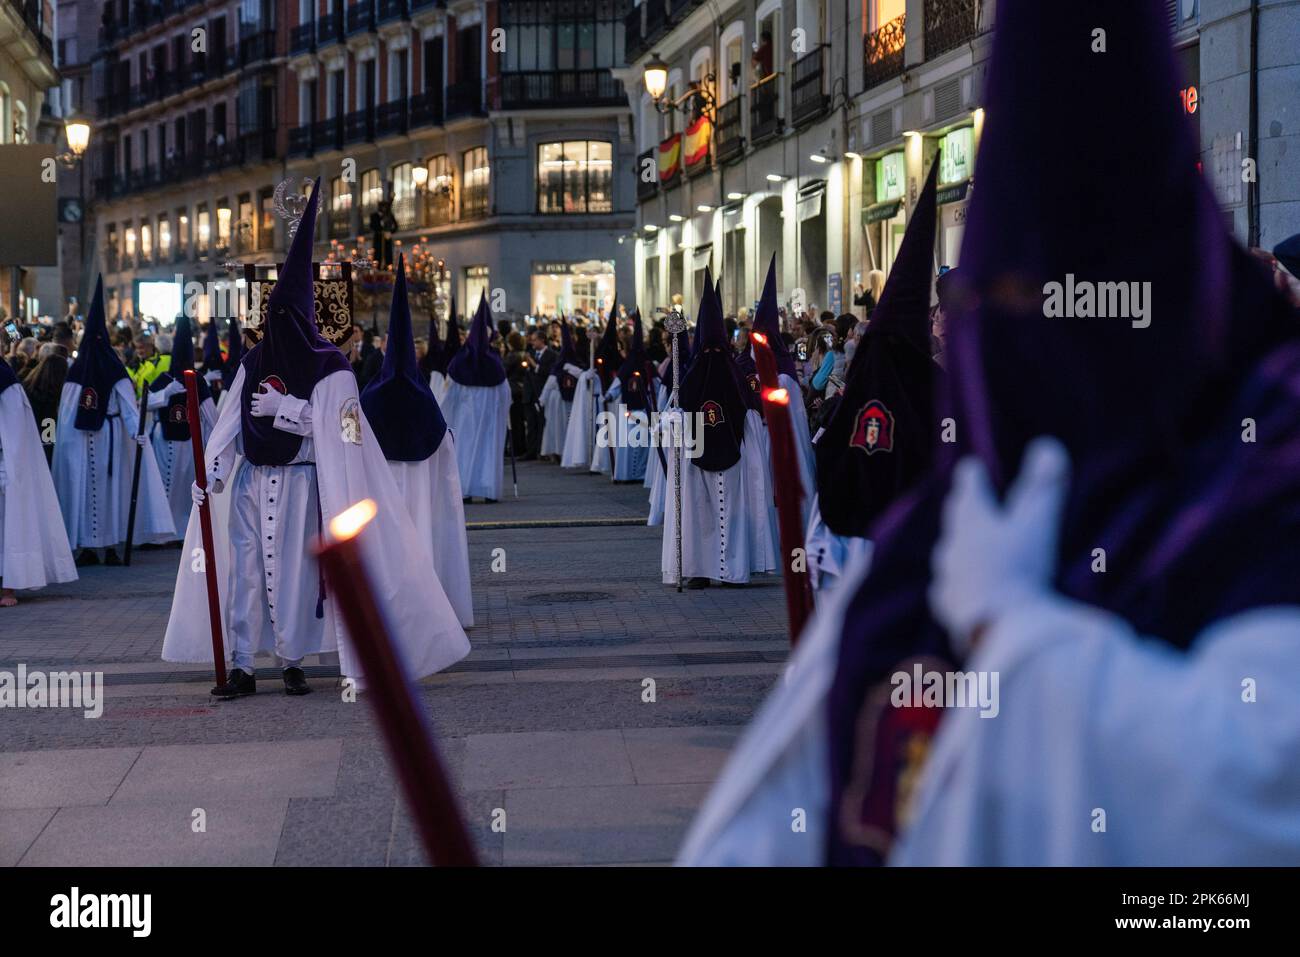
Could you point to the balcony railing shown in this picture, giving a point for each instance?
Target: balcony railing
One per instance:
(110, 259)
(327, 134)
(392, 118)
(426, 108)
(949, 24)
(361, 17)
(474, 202)
(634, 37)
(808, 99)
(464, 98)
(729, 134)
(393, 10)
(765, 108)
(254, 147)
(520, 91)
(330, 27)
(438, 207)
(300, 143)
(882, 52)
(256, 47)
(647, 175)
(359, 125)
(199, 70)
(302, 38)
(406, 210)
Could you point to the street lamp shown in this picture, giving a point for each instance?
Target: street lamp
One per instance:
(656, 77)
(77, 131)
(420, 176)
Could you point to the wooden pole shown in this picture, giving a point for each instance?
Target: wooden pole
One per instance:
(787, 488)
(205, 526)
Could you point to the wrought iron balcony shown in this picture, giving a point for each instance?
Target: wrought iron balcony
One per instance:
(552, 88)
(359, 125)
(729, 134)
(882, 52)
(256, 47)
(646, 186)
(439, 208)
(949, 24)
(300, 140)
(406, 210)
(302, 38)
(393, 10)
(361, 17)
(765, 109)
(465, 98)
(330, 27)
(474, 202)
(808, 97)
(392, 118)
(327, 134)
(426, 108)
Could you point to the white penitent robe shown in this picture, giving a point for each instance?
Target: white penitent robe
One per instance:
(556, 413)
(580, 433)
(438, 385)
(630, 440)
(1194, 761)
(34, 548)
(780, 762)
(726, 535)
(478, 416)
(269, 592)
(431, 490)
(95, 502)
(829, 555)
(176, 459)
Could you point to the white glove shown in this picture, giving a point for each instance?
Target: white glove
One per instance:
(991, 557)
(573, 370)
(266, 402)
(141, 440)
(197, 495)
(172, 388)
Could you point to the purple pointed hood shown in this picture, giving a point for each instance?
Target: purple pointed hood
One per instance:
(634, 375)
(234, 352)
(711, 387)
(398, 403)
(174, 417)
(608, 358)
(477, 363)
(293, 356)
(880, 438)
(212, 348)
(1151, 415)
(97, 367)
(450, 342)
(767, 320)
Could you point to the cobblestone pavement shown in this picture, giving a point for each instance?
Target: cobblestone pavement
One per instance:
(557, 756)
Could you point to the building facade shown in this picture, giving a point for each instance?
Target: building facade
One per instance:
(27, 74)
(829, 113)
(509, 105)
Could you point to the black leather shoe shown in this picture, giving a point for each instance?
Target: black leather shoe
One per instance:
(238, 684)
(110, 557)
(87, 558)
(295, 682)
(697, 583)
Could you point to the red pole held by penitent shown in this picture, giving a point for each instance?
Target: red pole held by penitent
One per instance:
(788, 489)
(205, 525)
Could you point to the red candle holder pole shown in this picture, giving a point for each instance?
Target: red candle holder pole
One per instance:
(788, 489)
(205, 525)
(406, 731)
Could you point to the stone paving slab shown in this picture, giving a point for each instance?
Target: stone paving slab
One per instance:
(35, 779)
(18, 829)
(545, 759)
(599, 825)
(216, 772)
(161, 834)
(679, 755)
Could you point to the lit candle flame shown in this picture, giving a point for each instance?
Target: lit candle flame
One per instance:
(348, 523)
(759, 338)
(779, 396)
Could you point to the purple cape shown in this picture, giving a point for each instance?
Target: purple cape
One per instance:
(97, 367)
(398, 403)
(292, 356)
(174, 417)
(477, 363)
(711, 387)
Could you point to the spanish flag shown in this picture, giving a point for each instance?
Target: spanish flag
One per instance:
(697, 140)
(670, 157)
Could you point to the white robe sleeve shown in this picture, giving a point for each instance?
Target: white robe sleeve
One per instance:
(1193, 757)
(294, 416)
(219, 453)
